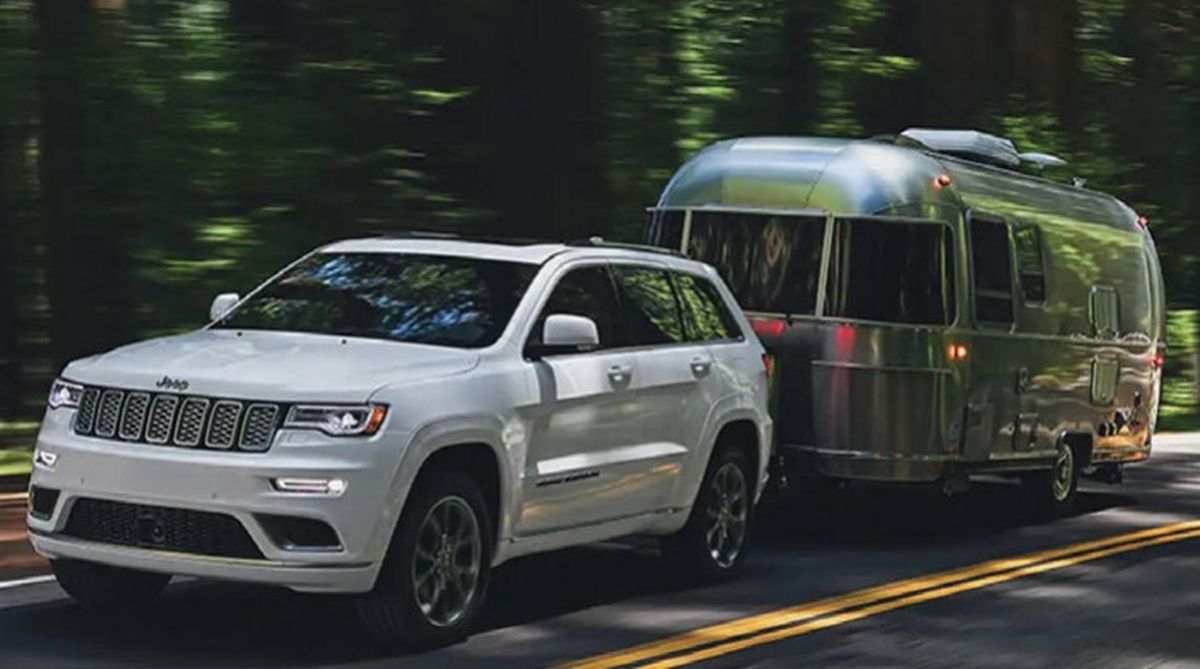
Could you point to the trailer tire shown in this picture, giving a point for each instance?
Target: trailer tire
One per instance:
(1053, 492)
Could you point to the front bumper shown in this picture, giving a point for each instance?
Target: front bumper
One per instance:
(232, 483)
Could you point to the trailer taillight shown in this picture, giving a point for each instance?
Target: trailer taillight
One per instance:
(768, 327)
(1158, 360)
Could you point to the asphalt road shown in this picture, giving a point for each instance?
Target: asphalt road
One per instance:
(1134, 604)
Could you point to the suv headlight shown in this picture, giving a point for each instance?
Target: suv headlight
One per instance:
(65, 394)
(338, 421)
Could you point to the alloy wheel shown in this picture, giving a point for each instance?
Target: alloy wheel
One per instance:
(727, 515)
(447, 562)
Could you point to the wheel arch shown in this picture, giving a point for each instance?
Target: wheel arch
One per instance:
(473, 445)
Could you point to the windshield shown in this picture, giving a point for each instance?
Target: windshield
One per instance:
(424, 299)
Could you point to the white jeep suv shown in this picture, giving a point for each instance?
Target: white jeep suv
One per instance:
(395, 416)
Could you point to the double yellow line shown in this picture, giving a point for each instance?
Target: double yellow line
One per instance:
(709, 642)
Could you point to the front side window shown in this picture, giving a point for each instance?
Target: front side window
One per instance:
(648, 307)
(892, 272)
(991, 260)
(423, 299)
(704, 313)
(770, 263)
(588, 292)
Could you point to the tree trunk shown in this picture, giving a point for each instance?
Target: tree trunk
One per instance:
(60, 28)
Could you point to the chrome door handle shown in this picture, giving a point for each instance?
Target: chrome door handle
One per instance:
(700, 366)
(620, 374)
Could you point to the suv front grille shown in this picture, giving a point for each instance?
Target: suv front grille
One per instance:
(165, 419)
(161, 528)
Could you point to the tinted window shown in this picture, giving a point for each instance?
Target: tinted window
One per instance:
(443, 300)
(704, 312)
(589, 292)
(648, 306)
(1030, 268)
(892, 271)
(771, 263)
(992, 266)
(665, 229)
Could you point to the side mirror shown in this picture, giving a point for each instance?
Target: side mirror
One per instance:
(221, 305)
(565, 333)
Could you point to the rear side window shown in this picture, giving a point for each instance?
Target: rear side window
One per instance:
(891, 271)
(589, 292)
(992, 267)
(1031, 270)
(770, 263)
(648, 307)
(704, 313)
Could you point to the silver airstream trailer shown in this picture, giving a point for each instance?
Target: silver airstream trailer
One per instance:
(934, 311)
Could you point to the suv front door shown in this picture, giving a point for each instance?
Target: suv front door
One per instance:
(582, 430)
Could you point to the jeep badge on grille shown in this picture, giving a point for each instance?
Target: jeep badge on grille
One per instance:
(172, 384)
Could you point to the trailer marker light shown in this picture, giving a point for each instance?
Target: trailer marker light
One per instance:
(1143, 222)
(1158, 361)
(768, 364)
(956, 352)
(941, 181)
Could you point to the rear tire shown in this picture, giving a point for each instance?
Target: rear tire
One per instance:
(435, 576)
(101, 586)
(712, 545)
(1054, 491)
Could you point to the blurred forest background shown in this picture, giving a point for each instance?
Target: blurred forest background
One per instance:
(156, 152)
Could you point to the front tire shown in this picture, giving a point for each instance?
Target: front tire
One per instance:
(1054, 491)
(101, 586)
(435, 576)
(713, 543)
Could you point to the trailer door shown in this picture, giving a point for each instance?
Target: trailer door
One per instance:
(997, 376)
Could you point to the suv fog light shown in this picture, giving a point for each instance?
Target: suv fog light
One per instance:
(45, 458)
(333, 487)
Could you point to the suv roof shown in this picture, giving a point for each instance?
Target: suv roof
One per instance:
(514, 249)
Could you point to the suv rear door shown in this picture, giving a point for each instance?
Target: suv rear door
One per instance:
(676, 384)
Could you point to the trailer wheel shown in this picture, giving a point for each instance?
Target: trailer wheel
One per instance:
(1053, 491)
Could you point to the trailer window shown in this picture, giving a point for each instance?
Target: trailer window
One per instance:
(992, 267)
(664, 228)
(1031, 270)
(891, 271)
(771, 263)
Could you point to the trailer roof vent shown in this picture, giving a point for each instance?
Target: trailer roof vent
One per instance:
(971, 145)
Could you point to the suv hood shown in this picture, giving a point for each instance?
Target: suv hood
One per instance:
(276, 366)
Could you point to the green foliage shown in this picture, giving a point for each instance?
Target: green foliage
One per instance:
(155, 153)
(1180, 407)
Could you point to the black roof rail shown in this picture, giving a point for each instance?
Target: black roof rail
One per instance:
(592, 242)
(466, 237)
(599, 242)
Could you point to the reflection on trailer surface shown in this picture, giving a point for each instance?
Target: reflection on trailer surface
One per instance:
(933, 313)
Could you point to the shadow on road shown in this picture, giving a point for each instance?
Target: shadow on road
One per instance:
(878, 516)
(205, 624)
